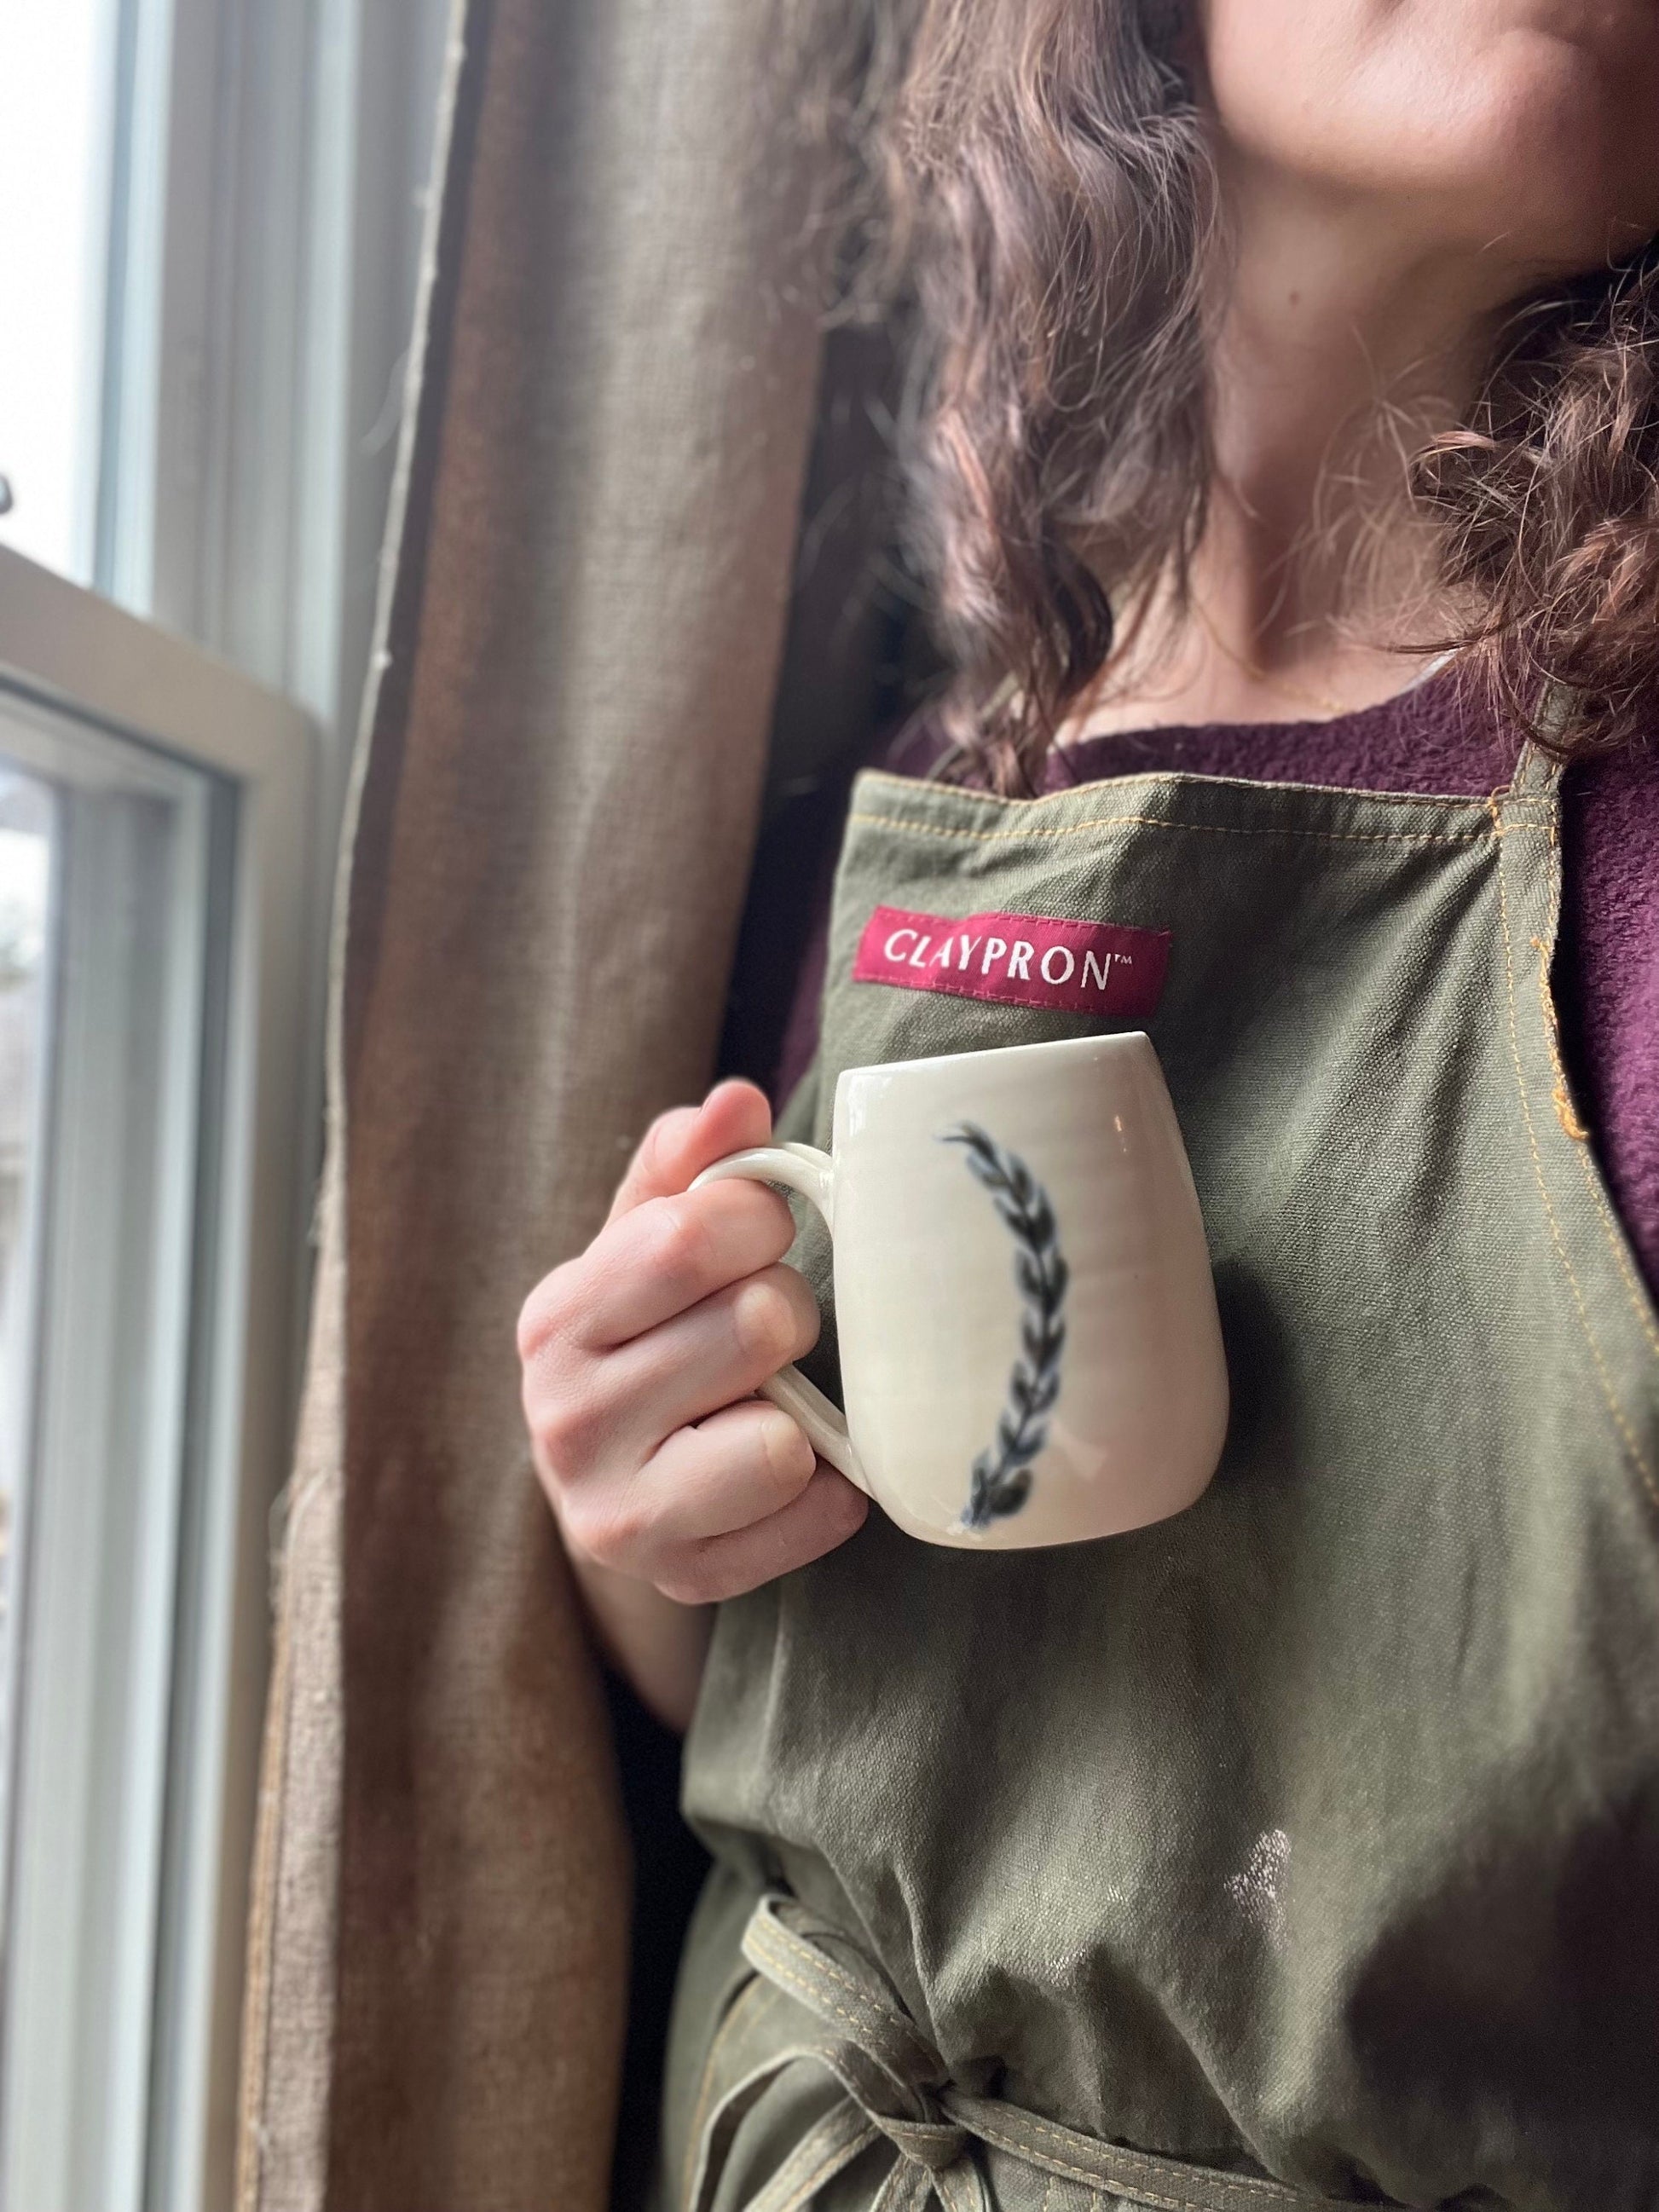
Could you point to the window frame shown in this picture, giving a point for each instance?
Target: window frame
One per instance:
(270, 165)
(77, 653)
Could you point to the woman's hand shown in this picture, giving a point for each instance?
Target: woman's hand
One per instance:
(673, 1485)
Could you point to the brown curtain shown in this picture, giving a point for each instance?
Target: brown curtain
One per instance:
(555, 805)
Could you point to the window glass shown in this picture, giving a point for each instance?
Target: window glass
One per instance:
(106, 922)
(56, 81)
(26, 840)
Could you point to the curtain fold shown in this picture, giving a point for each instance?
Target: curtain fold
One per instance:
(554, 809)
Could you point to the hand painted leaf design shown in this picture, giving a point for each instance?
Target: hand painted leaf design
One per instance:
(1001, 1478)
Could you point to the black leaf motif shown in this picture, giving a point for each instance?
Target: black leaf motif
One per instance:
(1001, 1480)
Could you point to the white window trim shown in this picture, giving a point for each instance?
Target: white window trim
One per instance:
(277, 181)
(271, 161)
(67, 646)
(266, 235)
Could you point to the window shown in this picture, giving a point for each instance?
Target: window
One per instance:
(55, 84)
(210, 218)
(153, 893)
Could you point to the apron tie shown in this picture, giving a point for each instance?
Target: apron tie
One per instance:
(897, 2089)
(894, 2083)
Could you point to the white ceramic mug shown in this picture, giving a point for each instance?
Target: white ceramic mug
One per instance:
(1029, 1348)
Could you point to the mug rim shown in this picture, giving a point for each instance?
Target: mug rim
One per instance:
(1106, 1038)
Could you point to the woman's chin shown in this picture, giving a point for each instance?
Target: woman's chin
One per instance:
(1557, 160)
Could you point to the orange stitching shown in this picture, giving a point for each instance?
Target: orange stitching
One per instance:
(1271, 2192)
(768, 1931)
(839, 2155)
(700, 2110)
(813, 2183)
(1156, 775)
(764, 1934)
(1619, 1422)
(1096, 2183)
(1565, 1113)
(767, 1928)
(1119, 2154)
(776, 1967)
(1538, 773)
(1500, 807)
(1635, 1291)
(1206, 828)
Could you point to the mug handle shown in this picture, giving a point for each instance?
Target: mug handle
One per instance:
(801, 1168)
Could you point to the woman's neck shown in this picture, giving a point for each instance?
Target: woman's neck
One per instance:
(1343, 344)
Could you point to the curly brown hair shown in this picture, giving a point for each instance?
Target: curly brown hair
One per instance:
(1049, 185)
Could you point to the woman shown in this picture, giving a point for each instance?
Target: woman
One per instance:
(1288, 444)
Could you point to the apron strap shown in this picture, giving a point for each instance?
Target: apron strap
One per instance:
(896, 2088)
(1537, 773)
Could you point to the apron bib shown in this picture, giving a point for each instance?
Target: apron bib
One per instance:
(1306, 1845)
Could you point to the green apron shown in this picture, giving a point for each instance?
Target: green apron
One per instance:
(1306, 1845)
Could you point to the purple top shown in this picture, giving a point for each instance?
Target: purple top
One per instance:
(1433, 738)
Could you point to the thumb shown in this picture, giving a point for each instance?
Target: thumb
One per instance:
(679, 1145)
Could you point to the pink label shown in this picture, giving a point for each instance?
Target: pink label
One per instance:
(1019, 960)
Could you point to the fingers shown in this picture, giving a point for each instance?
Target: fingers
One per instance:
(639, 1361)
(679, 1145)
(605, 1417)
(658, 1259)
(737, 1465)
(722, 1507)
(719, 1351)
(828, 1512)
